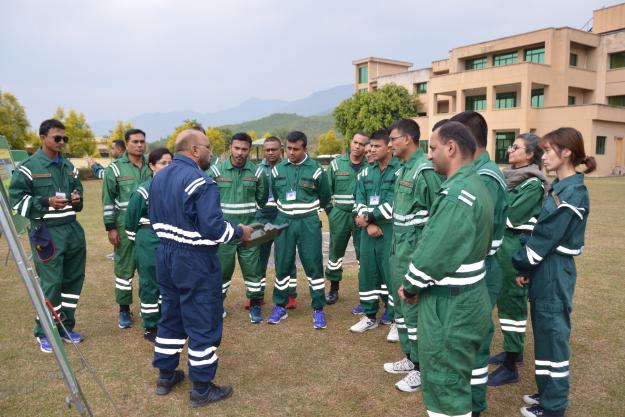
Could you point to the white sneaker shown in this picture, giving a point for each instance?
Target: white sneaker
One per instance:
(225, 314)
(400, 367)
(533, 399)
(410, 383)
(363, 325)
(392, 336)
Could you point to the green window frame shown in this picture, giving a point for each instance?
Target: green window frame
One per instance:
(616, 101)
(423, 144)
(573, 59)
(505, 59)
(617, 60)
(475, 63)
(572, 100)
(505, 100)
(600, 145)
(502, 141)
(363, 90)
(475, 103)
(421, 88)
(535, 55)
(538, 97)
(363, 74)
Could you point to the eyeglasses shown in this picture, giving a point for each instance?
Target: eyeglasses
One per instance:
(396, 137)
(514, 147)
(59, 138)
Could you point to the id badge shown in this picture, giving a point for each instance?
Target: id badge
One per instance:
(270, 198)
(291, 195)
(61, 195)
(374, 200)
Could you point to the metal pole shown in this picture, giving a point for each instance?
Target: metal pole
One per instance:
(37, 298)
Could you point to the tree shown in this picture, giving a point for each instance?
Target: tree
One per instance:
(252, 134)
(266, 135)
(329, 144)
(217, 140)
(187, 124)
(13, 122)
(374, 110)
(119, 132)
(81, 138)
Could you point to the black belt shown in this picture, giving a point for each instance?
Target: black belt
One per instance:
(452, 291)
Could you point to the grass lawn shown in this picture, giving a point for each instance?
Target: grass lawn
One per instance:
(291, 369)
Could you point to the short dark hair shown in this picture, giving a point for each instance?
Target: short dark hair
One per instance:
(476, 124)
(198, 127)
(130, 132)
(361, 133)
(157, 154)
(243, 137)
(407, 127)
(381, 134)
(439, 124)
(119, 143)
(273, 139)
(46, 125)
(296, 136)
(460, 134)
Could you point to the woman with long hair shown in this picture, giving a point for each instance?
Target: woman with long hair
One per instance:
(545, 262)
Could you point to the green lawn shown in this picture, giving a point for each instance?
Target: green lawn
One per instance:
(291, 369)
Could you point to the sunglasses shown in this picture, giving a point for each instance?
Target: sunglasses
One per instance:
(59, 138)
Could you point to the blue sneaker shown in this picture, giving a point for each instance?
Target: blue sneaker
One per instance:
(255, 314)
(358, 310)
(385, 317)
(44, 344)
(125, 319)
(319, 319)
(277, 314)
(71, 336)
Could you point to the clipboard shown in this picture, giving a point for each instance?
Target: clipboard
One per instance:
(263, 233)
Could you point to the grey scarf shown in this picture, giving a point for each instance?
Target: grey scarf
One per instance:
(515, 176)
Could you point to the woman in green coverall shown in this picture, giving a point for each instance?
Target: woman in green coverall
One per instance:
(526, 185)
(139, 230)
(545, 262)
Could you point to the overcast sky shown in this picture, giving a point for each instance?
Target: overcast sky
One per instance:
(115, 59)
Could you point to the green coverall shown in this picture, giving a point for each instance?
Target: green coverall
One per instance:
(241, 191)
(415, 192)
(35, 180)
(300, 190)
(139, 231)
(447, 271)
(547, 259)
(121, 178)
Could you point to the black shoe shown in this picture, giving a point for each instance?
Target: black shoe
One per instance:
(475, 414)
(150, 335)
(333, 297)
(164, 385)
(500, 357)
(538, 411)
(502, 376)
(213, 394)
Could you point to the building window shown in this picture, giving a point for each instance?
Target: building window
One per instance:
(505, 59)
(363, 90)
(535, 55)
(573, 60)
(363, 74)
(475, 63)
(505, 100)
(502, 141)
(617, 60)
(421, 114)
(538, 97)
(421, 88)
(571, 100)
(423, 144)
(616, 101)
(475, 103)
(600, 145)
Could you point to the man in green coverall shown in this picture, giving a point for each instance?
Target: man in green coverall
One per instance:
(446, 275)
(121, 178)
(342, 174)
(46, 189)
(374, 214)
(495, 183)
(242, 188)
(415, 191)
(300, 187)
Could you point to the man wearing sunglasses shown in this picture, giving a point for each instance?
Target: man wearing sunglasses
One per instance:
(45, 188)
(120, 179)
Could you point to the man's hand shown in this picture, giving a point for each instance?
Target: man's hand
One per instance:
(374, 231)
(247, 233)
(522, 281)
(360, 221)
(114, 237)
(75, 197)
(57, 203)
(405, 298)
(90, 162)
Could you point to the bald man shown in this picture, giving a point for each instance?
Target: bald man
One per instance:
(185, 214)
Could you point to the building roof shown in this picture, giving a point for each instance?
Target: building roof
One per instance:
(382, 60)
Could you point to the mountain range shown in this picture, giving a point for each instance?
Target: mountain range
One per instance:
(159, 125)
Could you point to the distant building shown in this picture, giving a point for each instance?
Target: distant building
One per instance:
(532, 82)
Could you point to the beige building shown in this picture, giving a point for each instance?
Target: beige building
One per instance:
(532, 82)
